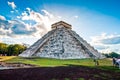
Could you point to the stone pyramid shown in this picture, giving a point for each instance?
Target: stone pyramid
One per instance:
(62, 43)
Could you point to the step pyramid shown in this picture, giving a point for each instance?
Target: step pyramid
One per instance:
(61, 43)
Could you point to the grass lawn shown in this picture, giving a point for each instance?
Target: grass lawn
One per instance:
(4, 58)
(71, 67)
(48, 62)
(52, 62)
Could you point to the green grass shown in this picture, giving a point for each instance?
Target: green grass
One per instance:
(4, 58)
(66, 79)
(80, 79)
(48, 62)
(70, 79)
(52, 62)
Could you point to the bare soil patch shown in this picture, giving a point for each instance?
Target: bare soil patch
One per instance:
(59, 73)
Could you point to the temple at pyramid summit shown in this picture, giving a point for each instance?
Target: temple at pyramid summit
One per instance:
(61, 43)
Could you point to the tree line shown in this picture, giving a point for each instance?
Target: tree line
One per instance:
(111, 55)
(13, 49)
(16, 49)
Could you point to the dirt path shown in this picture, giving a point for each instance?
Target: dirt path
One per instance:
(4, 58)
(59, 73)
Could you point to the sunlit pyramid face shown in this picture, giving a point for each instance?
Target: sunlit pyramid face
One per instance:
(62, 43)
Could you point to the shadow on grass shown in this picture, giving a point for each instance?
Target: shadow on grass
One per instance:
(111, 68)
(69, 72)
(108, 68)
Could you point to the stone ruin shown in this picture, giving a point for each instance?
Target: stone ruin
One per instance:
(61, 43)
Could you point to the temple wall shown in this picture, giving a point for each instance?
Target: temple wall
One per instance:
(62, 45)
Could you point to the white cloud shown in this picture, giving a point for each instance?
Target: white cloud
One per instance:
(112, 48)
(12, 11)
(31, 24)
(24, 40)
(32, 16)
(76, 17)
(2, 17)
(15, 28)
(45, 19)
(12, 5)
(106, 39)
(20, 28)
(106, 43)
(18, 17)
(47, 14)
(28, 9)
(59, 17)
(5, 31)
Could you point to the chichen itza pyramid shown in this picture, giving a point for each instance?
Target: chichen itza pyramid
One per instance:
(61, 43)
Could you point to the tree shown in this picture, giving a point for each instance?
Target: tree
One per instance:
(3, 48)
(111, 55)
(114, 54)
(107, 55)
(9, 50)
(16, 49)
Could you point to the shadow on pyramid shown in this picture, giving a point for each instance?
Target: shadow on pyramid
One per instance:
(61, 43)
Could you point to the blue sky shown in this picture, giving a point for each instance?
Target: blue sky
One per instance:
(97, 21)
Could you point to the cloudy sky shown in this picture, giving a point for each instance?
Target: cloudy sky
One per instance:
(97, 21)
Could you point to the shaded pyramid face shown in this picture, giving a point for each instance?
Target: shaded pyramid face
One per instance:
(62, 43)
